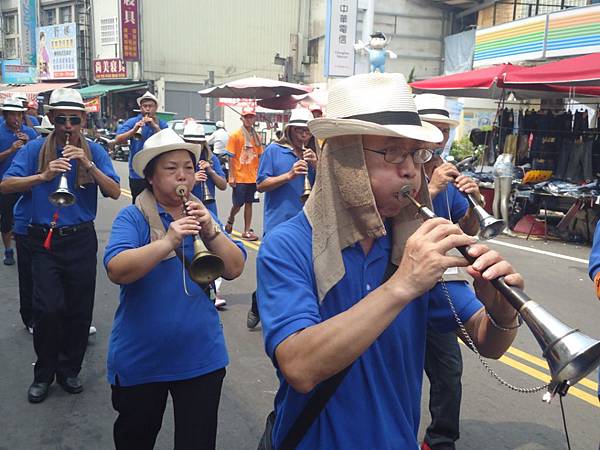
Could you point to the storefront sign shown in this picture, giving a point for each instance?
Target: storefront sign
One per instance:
(28, 24)
(340, 36)
(109, 69)
(15, 73)
(510, 42)
(573, 32)
(57, 52)
(129, 30)
(92, 104)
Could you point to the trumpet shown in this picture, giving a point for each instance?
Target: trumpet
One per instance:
(62, 196)
(570, 354)
(205, 266)
(489, 226)
(307, 187)
(207, 197)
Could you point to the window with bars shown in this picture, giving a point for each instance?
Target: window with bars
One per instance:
(65, 14)
(11, 35)
(108, 31)
(48, 17)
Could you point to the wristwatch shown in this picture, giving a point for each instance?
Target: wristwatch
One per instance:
(91, 166)
(217, 231)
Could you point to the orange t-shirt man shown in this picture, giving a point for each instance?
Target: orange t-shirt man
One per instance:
(246, 148)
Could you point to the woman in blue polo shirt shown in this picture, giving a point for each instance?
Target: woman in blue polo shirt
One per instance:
(166, 337)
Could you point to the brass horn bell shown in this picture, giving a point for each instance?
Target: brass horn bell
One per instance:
(62, 196)
(489, 226)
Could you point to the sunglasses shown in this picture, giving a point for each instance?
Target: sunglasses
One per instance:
(62, 120)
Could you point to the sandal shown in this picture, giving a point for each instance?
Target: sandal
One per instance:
(229, 226)
(249, 235)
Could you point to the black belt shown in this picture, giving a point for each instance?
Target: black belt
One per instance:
(42, 230)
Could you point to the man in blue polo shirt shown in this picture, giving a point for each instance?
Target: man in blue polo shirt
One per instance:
(347, 283)
(63, 239)
(594, 273)
(13, 136)
(281, 176)
(136, 130)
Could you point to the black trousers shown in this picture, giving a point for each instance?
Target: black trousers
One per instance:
(63, 301)
(443, 366)
(7, 203)
(25, 278)
(195, 406)
(136, 186)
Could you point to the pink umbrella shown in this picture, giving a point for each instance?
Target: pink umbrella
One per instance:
(256, 88)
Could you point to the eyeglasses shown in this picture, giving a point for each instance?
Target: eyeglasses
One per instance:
(73, 120)
(398, 156)
(301, 130)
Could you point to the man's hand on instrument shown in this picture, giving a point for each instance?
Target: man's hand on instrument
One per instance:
(23, 137)
(310, 157)
(488, 266)
(441, 176)
(205, 165)
(16, 145)
(55, 168)
(425, 260)
(299, 168)
(200, 176)
(73, 152)
(199, 211)
(468, 185)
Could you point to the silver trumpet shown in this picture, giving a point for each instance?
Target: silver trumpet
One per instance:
(307, 187)
(62, 196)
(570, 354)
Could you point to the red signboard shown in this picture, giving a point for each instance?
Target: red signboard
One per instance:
(109, 69)
(93, 104)
(130, 30)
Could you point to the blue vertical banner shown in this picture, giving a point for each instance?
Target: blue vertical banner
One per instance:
(28, 24)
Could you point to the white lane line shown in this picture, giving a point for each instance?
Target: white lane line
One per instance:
(541, 252)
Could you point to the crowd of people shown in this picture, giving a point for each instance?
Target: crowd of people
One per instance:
(357, 297)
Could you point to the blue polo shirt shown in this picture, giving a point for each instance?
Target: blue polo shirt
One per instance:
(377, 405)
(22, 214)
(594, 268)
(450, 204)
(7, 137)
(159, 332)
(135, 145)
(84, 210)
(197, 191)
(284, 202)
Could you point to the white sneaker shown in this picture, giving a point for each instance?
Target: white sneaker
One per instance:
(220, 302)
(92, 330)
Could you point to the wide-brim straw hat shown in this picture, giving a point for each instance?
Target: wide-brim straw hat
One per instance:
(193, 131)
(147, 96)
(162, 142)
(299, 118)
(432, 108)
(378, 104)
(45, 127)
(65, 98)
(13, 104)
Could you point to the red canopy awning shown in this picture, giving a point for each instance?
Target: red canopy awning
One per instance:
(32, 90)
(578, 71)
(479, 83)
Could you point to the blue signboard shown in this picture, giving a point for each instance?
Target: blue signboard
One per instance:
(13, 72)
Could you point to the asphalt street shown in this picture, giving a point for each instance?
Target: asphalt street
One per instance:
(493, 417)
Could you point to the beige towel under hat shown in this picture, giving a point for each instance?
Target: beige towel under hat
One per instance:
(342, 211)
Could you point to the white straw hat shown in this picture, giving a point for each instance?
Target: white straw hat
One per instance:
(194, 131)
(377, 104)
(65, 98)
(432, 108)
(162, 142)
(147, 96)
(45, 127)
(13, 104)
(299, 118)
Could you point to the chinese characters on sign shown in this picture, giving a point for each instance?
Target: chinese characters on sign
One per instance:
(57, 52)
(340, 37)
(129, 30)
(109, 69)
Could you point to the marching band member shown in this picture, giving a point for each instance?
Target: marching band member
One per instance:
(63, 240)
(136, 130)
(281, 176)
(346, 283)
(13, 136)
(166, 337)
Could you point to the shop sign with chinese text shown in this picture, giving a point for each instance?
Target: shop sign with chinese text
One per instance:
(130, 30)
(109, 69)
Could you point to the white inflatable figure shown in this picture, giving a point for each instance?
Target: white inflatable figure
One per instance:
(376, 50)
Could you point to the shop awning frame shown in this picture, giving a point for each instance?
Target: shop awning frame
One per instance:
(32, 90)
(99, 90)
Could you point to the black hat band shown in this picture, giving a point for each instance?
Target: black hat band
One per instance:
(390, 118)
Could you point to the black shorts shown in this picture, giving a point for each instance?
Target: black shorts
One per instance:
(244, 193)
(7, 203)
